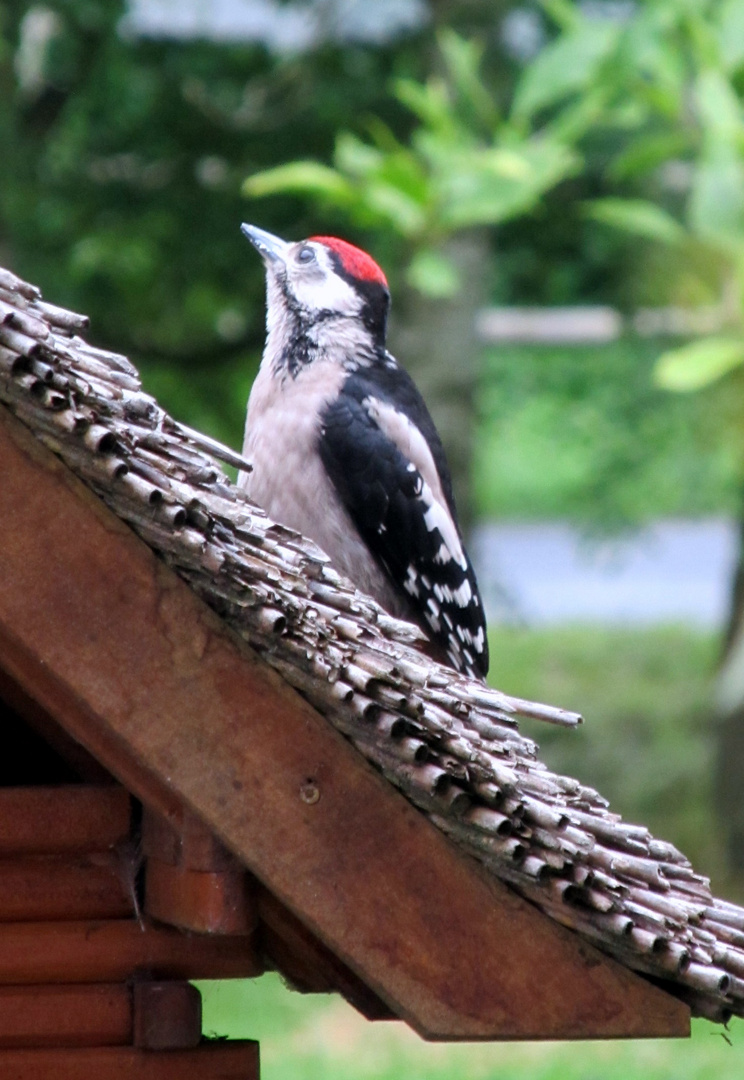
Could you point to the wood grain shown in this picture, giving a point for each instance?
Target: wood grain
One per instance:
(98, 886)
(47, 1016)
(69, 819)
(114, 950)
(206, 901)
(214, 1061)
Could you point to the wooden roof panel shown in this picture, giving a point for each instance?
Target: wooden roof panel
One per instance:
(150, 680)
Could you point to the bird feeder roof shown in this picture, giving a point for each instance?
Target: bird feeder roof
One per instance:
(216, 659)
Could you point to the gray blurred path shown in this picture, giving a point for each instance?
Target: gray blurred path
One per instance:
(543, 573)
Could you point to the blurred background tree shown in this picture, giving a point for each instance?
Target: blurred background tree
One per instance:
(120, 176)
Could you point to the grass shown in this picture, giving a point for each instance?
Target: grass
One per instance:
(323, 1038)
(647, 744)
(582, 432)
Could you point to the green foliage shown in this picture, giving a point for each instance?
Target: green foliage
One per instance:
(302, 177)
(583, 432)
(730, 35)
(570, 65)
(716, 204)
(637, 216)
(670, 81)
(694, 366)
(120, 193)
(463, 166)
(433, 274)
(120, 177)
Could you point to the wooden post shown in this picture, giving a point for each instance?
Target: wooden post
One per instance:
(192, 880)
(167, 1015)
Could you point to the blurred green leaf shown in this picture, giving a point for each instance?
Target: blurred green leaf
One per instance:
(564, 67)
(637, 216)
(489, 186)
(647, 152)
(564, 13)
(576, 119)
(393, 205)
(389, 162)
(430, 102)
(356, 158)
(731, 35)
(716, 205)
(652, 65)
(718, 106)
(699, 364)
(304, 177)
(462, 166)
(433, 274)
(463, 59)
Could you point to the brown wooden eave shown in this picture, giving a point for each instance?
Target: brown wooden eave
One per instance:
(125, 657)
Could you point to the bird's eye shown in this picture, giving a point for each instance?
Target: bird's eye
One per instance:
(306, 255)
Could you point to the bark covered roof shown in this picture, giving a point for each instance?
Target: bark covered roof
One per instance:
(450, 744)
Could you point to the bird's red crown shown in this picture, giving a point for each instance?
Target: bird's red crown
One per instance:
(357, 263)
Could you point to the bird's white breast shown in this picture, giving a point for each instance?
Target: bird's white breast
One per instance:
(288, 478)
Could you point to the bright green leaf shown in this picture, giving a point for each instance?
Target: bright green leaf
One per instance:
(578, 117)
(355, 158)
(429, 102)
(564, 67)
(382, 136)
(463, 59)
(718, 106)
(487, 187)
(651, 55)
(405, 172)
(698, 365)
(731, 34)
(390, 203)
(563, 13)
(638, 217)
(716, 205)
(303, 177)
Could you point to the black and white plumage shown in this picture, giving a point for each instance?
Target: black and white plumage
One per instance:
(343, 447)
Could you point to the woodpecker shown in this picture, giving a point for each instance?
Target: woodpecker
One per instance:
(344, 450)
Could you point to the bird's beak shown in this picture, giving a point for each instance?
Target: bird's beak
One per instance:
(270, 248)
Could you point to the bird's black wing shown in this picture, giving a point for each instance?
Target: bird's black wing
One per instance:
(407, 523)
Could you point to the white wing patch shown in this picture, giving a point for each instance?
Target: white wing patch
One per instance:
(412, 444)
(409, 440)
(411, 584)
(438, 517)
(461, 595)
(440, 601)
